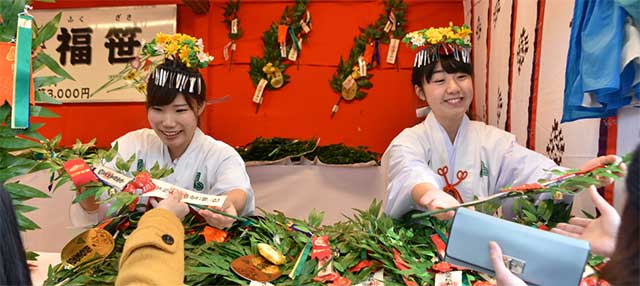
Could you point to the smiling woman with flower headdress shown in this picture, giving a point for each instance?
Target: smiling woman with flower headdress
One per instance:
(175, 98)
(448, 158)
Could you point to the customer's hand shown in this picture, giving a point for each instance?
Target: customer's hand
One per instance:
(218, 220)
(174, 204)
(504, 277)
(601, 233)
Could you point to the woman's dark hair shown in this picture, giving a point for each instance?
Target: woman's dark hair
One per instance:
(13, 260)
(164, 94)
(449, 64)
(624, 267)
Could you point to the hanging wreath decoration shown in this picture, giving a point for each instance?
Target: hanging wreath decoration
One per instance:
(352, 74)
(282, 42)
(233, 23)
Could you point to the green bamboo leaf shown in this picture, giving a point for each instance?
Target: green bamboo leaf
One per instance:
(9, 173)
(39, 111)
(20, 191)
(115, 206)
(25, 223)
(4, 112)
(41, 166)
(23, 208)
(53, 65)
(32, 256)
(16, 143)
(109, 155)
(608, 175)
(61, 181)
(56, 140)
(48, 31)
(88, 192)
(42, 81)
(531, 217)
(6, 131)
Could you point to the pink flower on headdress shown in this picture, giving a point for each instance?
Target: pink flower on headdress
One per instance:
(199, 44)
(203, 57)
(135, 62)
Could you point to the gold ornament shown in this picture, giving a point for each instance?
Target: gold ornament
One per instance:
(277, 80)
(92, 245)
(356, 72)
(350, 86)
(274, 75)
(255, 268)
(271, 254)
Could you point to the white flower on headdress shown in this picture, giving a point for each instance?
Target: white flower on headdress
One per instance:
(199, 44)
(159, 48)
(203, 57)
(417, 39)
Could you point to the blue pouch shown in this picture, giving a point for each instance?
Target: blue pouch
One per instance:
(538, 257)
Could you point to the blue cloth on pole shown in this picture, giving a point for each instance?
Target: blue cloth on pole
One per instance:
(594, 61)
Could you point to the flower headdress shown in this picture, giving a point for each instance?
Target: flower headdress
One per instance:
(180, 49)
(434, 42)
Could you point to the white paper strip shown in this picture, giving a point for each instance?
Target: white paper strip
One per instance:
(163, 189)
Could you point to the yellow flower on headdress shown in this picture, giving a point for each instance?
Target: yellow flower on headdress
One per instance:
(171, 49)
(449, 34)
(433, 36)
(184, 55)
(162, 38)
(464, 32)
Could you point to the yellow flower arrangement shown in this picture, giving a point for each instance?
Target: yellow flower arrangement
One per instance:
(182, 47)
(444, 35)
(177, 47)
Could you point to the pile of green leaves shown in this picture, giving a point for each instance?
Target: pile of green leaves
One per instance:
(371, 33)
(368, 235)
(273, 149)
(276, 148)
(341, 154)
(271, 54)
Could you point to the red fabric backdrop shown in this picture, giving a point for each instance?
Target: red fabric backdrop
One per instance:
(300, 109)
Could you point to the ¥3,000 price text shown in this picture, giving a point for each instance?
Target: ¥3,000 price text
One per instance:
(68, 93)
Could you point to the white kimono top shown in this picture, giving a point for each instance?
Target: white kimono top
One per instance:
(491, 158)
(208, 166)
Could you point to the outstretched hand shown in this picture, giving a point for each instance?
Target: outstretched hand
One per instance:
(434, 199)
(174, 204)
(601, 233)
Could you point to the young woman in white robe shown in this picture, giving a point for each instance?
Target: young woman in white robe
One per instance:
(200, 163)
(448, 159)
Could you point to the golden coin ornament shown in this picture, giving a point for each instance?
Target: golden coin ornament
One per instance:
(255, 268)
(93, 245)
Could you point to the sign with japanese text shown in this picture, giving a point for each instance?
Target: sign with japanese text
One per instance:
(93, 44)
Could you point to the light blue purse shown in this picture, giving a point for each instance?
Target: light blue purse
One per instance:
(538, 257)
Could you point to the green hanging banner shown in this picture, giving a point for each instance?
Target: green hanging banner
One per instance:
(22, 75)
